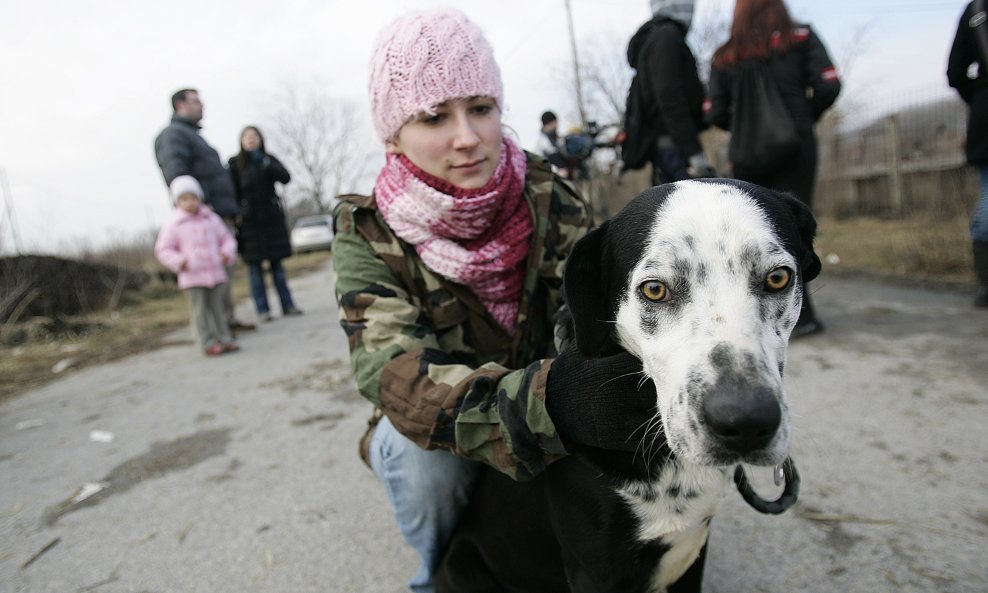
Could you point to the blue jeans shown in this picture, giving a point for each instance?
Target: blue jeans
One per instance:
(427, 489)
(979, 220)
(260, 292)
(668, 166)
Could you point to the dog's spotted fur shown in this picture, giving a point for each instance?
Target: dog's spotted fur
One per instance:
(714, 254)
(727, 258)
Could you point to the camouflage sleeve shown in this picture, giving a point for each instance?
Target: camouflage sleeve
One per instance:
(375, 310)
(503, 420)
(488, 413)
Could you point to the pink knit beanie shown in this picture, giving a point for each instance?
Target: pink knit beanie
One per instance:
(425, 58)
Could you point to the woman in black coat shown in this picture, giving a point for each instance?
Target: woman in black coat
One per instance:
(967, 71)
(808, 84)
(263, 234)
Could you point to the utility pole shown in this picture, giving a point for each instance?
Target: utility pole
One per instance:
(576, 68)
(9, 212)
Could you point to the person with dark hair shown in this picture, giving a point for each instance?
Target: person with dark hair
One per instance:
(664, 112)
(808, 84)
(548, 142)
(263, 232)
(181, 97)
(181, 150)
(967, 71)
(448, 280)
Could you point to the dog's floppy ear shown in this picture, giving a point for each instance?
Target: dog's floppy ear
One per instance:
(809, 263)
(585, 290)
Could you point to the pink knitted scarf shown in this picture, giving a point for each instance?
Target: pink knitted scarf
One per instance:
(478, 238)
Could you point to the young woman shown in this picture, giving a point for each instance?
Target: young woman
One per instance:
(808, 84)
(263, 234)
(448, 278)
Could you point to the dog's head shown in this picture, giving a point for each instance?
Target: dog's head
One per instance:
(702, 280)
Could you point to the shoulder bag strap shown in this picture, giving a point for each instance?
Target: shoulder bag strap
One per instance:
(978, 25)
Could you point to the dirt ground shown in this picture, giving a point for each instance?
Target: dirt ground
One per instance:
(167, 471)
(142, 466)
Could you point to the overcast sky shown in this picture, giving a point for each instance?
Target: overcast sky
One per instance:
(86, 84)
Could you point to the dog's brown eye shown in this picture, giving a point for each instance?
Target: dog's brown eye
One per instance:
(654, 290)
(778, 279)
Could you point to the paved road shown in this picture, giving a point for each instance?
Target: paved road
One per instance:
(240, 474)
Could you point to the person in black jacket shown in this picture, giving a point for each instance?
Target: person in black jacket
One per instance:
(180, 150)
(664, 112)
(263, 234)
(967, 71)
(808, 84)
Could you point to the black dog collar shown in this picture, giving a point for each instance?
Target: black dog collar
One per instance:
(788, 497)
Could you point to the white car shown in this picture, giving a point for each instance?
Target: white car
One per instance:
(312, 233)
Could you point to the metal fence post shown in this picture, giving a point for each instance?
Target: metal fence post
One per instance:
(894, 168)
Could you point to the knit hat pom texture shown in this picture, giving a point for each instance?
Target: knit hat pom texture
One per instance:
(185, 184)
(426, 58)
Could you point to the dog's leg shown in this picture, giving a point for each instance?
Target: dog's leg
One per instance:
(595, 528)
(471, 574)
(505, 532)
(692, 580)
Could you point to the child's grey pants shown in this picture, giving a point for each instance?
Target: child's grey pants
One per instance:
(208, 315)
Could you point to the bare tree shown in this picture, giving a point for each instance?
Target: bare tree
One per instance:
(606, 74)
(704, 38)
(324, 143)
(607, 77)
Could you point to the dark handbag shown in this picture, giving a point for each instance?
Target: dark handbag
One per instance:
(763, 134)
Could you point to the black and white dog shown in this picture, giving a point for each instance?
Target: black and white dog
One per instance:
(701, 280)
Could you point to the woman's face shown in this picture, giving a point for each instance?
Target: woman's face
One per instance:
(250, 140)
(460, 144)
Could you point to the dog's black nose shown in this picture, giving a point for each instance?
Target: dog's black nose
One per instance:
(741, 417)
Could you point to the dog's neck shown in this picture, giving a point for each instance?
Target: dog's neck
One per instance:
(642, 465)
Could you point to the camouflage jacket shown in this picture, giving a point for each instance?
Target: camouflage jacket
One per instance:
(425, 350)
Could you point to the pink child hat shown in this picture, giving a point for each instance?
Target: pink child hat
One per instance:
(425, 58)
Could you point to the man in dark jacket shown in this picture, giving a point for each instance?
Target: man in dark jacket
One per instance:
(967, 71)
(664, 114)
(180, 150)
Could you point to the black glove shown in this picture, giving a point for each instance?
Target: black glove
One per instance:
(600, 402)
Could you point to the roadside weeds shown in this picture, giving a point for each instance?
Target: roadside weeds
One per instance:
(48, 348)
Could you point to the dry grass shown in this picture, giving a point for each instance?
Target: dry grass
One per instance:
(80, 341)
(918, 248)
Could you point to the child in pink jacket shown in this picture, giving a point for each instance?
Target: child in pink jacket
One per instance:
(196, 245)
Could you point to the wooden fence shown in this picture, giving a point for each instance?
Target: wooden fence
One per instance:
(906, 161)
(894, 162)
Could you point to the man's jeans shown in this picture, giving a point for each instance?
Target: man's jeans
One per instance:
(255, 273)
(228, 304)
(427, 489)
(979, 220)
(668, 164)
